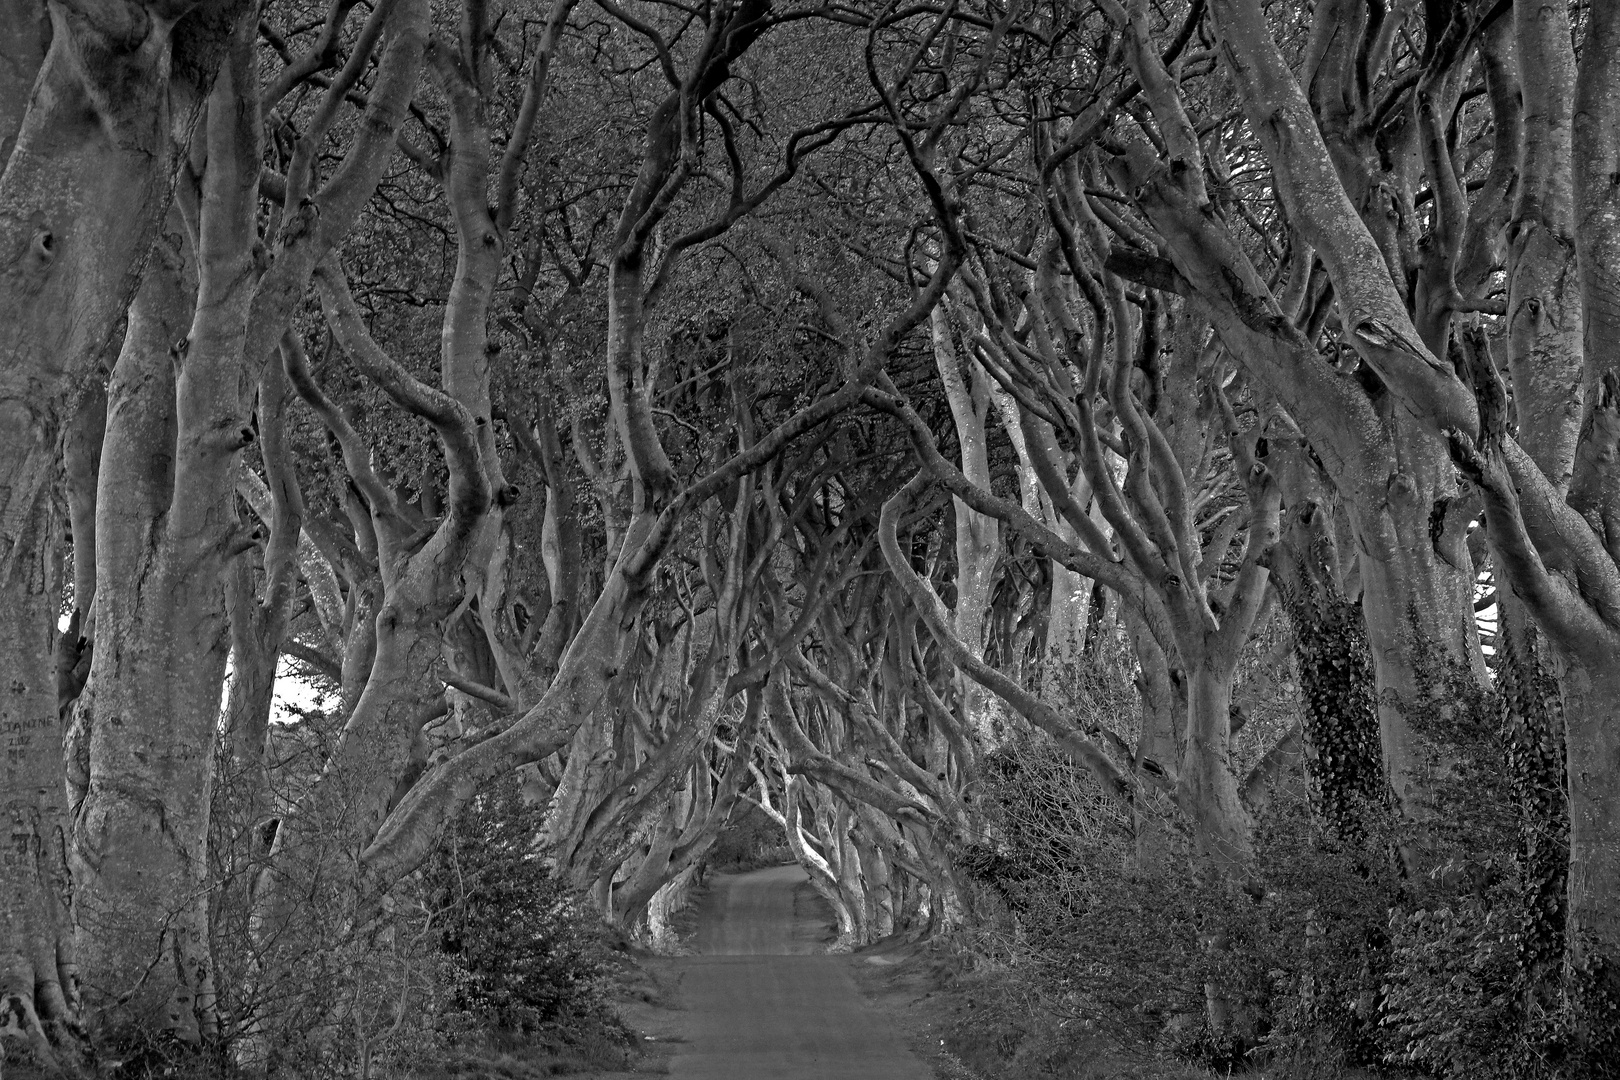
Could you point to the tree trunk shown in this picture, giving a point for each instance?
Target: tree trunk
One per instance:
(1592, 739)
(592, 771)
(147, 717)
(1207, 787)
(1592, 686)
(1532, 737)
(630, 898)
(1544, 319)
(39, 992)
(978, 537)
(87, 180)
(25, 35)
(822, 876)
(879, 887)
(1341, 730)
(140, 833)
(86, 184)
(1418, 606)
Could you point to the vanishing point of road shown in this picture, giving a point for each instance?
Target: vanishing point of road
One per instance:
(764, 1001)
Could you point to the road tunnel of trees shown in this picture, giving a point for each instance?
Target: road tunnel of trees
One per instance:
(1151, 467)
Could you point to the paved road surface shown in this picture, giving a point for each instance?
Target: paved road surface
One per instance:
(764, 1003)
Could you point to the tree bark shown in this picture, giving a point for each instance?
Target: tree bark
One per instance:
(86, 185)
(978, 538)
(1591, 695)
(25, 36)
(88, 178)
(1532, 738)
(1417, 606)
(1207, 786)
(140, 831)
(39, 987)
(1340, 725)
(1592, 684)
(1544, 320)
(147, 718)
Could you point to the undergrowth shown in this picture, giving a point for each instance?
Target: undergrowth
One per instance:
(530, 966)
(1333, 959)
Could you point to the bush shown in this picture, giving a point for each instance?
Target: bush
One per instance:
(1331, 955)
(1088, 938)
(526, 957)
(478, 964)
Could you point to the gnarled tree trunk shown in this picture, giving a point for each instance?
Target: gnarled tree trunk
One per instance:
(39, 993)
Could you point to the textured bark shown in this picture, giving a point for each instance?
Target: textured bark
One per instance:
(1591, 688)
(140, 830)
(1078, 746)
(146, 722)
(1544, 322)
(1591, 700)
(87, 180)
(1417, 582)
(1557, 566)
(1417, 579)
(1159, 575)
(1532, 737)
(705, 812)
(978, 539)
(1337, 683)
(668, 162)
(666, 707)
(1596, 163)
(1163, 698)
(1069, 610)
(562, 551)
(652, 869)
(823, 877)
(587, 667)
(39, 992)
(862, 721)
(25, 35)
(1558, 554)
(85, 187)
(1417, 606)
(316, 216)
(588, 774)
(628, 390)
(1207, 786)
(877, 879)
(481, 228)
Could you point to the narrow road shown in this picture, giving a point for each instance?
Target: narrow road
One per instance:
(765, 1002)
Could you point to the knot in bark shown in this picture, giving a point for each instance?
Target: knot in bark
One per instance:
(42, 247)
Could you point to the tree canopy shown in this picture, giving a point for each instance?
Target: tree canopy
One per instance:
(999, 441)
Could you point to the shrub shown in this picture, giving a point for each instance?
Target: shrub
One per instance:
(526, 956)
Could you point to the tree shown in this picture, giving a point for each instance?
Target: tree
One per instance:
(685, 406)
(1400, 314)
(89, 177)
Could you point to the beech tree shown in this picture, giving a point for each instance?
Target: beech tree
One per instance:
(117, 91)
(688, 407)
(1412, 299)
